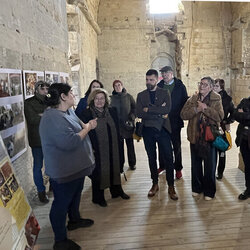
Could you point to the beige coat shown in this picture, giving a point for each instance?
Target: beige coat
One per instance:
(214, 112)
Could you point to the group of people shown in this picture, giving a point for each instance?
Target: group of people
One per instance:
(90, 140)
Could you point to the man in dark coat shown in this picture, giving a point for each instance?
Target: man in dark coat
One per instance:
(33, 110)
(242, 115)
(153, 106)
(178, 98)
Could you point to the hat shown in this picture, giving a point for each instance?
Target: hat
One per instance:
(41, 83)
(166, 69)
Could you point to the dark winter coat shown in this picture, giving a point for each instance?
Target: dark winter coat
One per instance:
(82, 105)
(228, 108)
(178, 98)
(86, 116)
(243, 130)
(125, 106)
(34, 106)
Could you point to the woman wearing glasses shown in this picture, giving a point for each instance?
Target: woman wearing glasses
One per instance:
(200, 109)
(106, 147)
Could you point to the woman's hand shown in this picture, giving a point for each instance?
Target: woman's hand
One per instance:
(201, 106)
(93, 123)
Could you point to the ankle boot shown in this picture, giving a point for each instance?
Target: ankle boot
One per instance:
(172, 193)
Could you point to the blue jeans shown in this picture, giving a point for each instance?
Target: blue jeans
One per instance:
(203, 181)
(37, 168)
(151, 136)
(67, 197)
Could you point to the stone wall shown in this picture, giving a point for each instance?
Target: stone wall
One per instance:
(124, 44)
(34, 36)
(205, 39)
(83, 51)
(240, 51)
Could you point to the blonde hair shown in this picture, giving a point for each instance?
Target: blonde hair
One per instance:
(95, 92)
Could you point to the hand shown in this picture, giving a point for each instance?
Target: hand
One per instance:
(93, 123)
(240, 110)
(145, 109)
(201, 106)
(227, 126)
(165, 116)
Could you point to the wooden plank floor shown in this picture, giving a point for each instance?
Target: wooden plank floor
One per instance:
(158, 222)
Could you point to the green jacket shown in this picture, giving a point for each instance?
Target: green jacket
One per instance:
(32, 108)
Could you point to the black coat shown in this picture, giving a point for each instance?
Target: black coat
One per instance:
(243, 130)
(178, 99)
(228, 107)
(125, 106)
(86, 116)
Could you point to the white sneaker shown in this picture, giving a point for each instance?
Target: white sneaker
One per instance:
(195, 194)
(207, 198)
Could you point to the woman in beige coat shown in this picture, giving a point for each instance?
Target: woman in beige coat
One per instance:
(202, 108)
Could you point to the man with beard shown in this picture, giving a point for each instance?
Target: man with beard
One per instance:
(153, 106)
(33, 110)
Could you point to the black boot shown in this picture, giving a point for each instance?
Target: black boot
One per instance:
(43, 197)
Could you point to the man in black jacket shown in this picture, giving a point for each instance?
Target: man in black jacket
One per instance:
(178, 98)
(242, 115)
(153, 106)
(33, 110)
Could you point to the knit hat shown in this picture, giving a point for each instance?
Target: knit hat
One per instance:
(41, 83)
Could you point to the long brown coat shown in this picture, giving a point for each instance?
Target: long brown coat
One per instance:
(214, 112)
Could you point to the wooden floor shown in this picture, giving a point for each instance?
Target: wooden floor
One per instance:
(158, 222)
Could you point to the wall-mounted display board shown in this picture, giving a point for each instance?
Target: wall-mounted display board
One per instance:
(18, 228)
(12, 125)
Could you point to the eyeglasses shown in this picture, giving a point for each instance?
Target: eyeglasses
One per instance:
(202, 84)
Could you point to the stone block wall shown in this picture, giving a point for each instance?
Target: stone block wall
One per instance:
(124, 44)
(34, 36)
(240, 86)
(83, 51)
(205, 39)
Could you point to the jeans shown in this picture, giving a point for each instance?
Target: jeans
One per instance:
(176, 142)
(203, 180)
(151, 136)
(37, 154)
(245, 151)
(67, 197)
(130, 151)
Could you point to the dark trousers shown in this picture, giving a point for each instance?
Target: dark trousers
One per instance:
(130, 151)
(203, 180)
(245, 151)
(98, 194)
(176, 142)
(37, 154)
(222, 162)
(151, 136)
(67, 198)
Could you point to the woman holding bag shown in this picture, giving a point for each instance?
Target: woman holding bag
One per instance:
(200, 109)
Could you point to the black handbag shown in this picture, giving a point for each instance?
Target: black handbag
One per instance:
(138, 129)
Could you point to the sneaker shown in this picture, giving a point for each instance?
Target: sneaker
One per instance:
(178, 174)
(161, 170)
(132, 167)
(81, 223)
(66, 245)
(42, 196)
(194, 194)
(219, 176)
(208, 198)
(245, 195)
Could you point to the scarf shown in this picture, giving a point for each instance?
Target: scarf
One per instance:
(108, 148)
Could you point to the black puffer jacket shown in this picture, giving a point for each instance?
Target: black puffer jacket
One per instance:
(243, 130)
(125, 106)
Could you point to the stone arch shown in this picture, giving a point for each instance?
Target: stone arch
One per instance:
(161, 60)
